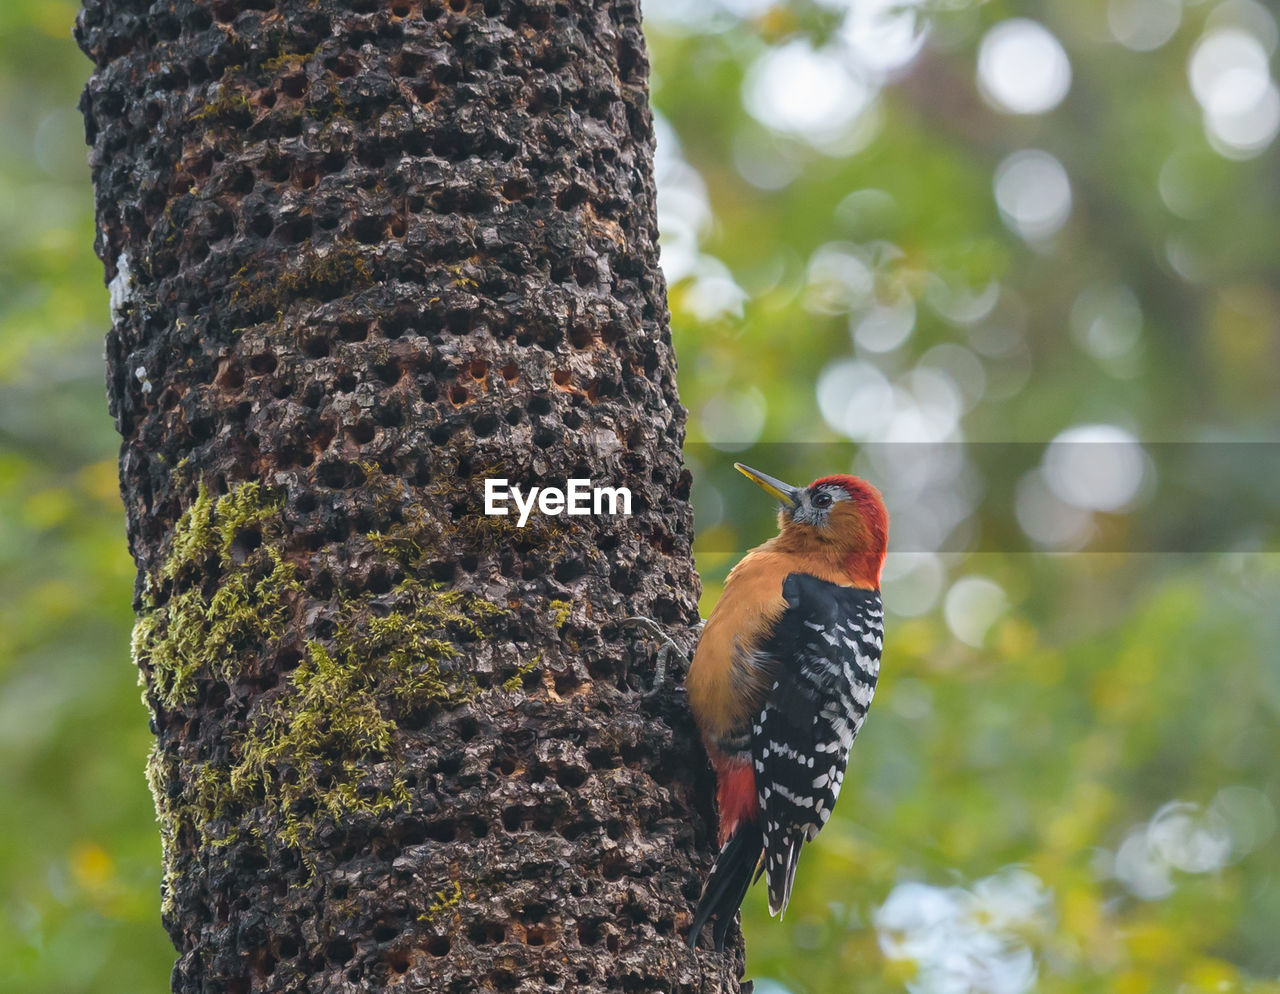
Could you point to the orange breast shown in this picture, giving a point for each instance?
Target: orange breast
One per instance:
(724, 688)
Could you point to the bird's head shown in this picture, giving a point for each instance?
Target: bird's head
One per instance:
(841, 519)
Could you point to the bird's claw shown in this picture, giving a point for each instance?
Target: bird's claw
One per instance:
(664, 653)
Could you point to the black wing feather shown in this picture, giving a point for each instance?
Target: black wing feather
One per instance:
(825, 655)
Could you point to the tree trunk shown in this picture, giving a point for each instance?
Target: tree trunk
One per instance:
(364, 255)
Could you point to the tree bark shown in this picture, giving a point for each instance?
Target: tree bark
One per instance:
(364, 255)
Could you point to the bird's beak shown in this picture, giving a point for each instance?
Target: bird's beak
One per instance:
(785, 492)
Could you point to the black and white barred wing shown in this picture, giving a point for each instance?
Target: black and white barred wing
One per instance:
(824, 653)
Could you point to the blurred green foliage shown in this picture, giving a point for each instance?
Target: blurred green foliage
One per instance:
(1009, 822)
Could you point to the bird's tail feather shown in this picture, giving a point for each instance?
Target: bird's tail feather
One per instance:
(728, 882)
(780, 871)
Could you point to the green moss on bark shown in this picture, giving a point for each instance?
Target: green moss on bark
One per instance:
(186, 630)
(316, 749)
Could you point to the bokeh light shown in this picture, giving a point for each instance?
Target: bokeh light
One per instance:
(973, 605)
(1230, 76)
(1095, 467)
(1033, 193)
(809, 92)
(1023, 68)
(966, 941)
(1144, 25)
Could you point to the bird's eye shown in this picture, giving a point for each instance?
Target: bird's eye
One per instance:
(821, 500)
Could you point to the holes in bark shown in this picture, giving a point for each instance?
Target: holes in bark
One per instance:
(584, 271)
(276, 167)
(231, 377)
(410, 833)
(516, 189)
(575, 830)
(297, 229)
(262, 225)
(368, 230)
(264, 963)
(374, 158)
(442, 831)
(363, 432)
(590, 932)
(316, 347)
(340, 950)
(294, 86)
(338, 475)
(353, 331)
(201, 429)
(571, 777)
(261, 365)
(543, 820)
(569, 570)
(390, 414)
(535, 937)
(389, 372)
(399, 961)
(244, 543)
(484, 425)
(424, 89)
(441, 434)
(513, 818)
(467, 728)
(438, 946)
(380, 580)
(398, 324)
(487, 933)
(344, 66)
(458, 320)
(571, 196)
(567, 683)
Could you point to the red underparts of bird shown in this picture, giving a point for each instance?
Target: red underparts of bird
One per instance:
(781, 681)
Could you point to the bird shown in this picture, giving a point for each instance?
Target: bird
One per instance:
(780, 682)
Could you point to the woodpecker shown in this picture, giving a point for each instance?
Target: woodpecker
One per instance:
(781, 680)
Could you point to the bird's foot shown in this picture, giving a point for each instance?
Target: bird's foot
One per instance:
(668, 646)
